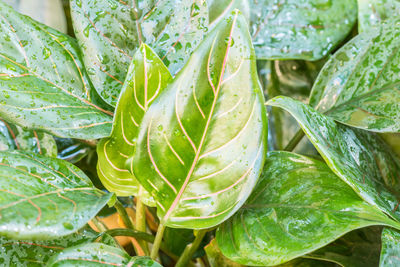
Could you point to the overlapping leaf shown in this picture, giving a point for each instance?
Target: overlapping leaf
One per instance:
(360, 158)
(390, 248)
(220, 8)
(110, 32)
(298, 206)
(95, 254)
(146, 79)
(44, 198)
(300, 29)
(36, 253)
(359, 86)
(42, 83)
(202, 142)
(373, 12)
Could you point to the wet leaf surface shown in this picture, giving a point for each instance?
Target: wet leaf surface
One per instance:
(372, 12)
(390, 248)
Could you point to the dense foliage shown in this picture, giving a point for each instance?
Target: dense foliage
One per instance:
(201, 133)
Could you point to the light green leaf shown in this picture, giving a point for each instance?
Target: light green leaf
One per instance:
(390, 248)
(110, 32)
(96, 254)
(44, 198)
(14, 137)
(146, 79)
(17, 253)
(300, 29)
(393, 140)
(217, 9)
(39, 65)
(202, 142)
(360, 158)
(359, 85)
(373, 12)
(298, 206)
(216, 258)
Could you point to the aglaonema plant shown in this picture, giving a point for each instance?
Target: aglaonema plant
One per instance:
(170, 133)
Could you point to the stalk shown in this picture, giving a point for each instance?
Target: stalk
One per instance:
(295, 141)
(141, 219)
(157, 241)
(191, 249)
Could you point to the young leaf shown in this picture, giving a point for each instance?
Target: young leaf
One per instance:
(14, 137)
(146, 79)
(390, 248)
(298, 206)
(44, 198)
(360, 158)
(202, 143)
(42, 83)
(373, 12)
(300, 29)
(95, 254)
(109, 33)
(359, 85)
(37, 253)
(220, 8)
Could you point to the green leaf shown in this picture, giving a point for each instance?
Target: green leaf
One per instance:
(360, 248)
(216, 258)
(300, 29)
(359, 85)
(17, 253)
(202, 143)
(393, 140)
(95, 254)
(39, 65)
(390, 248)
(146, 79)
(72, 150)
(373, 12)
(110, 32)
(360, 158)
(298, 206)
(44, 198)
(217, 9)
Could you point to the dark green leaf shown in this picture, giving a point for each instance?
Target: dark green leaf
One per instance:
(220, 8)
(42, 83)
(390, 254)
(216, 258)
(110, 32)
(177, 239)
(16, 253)
(202, 142)
(373, 12)
(360, 248)
(298, 206)
(44, 198)
(359, 85)
(360, 158)
(72, 150)
(96, 254)
(146, 79)
(300, 29)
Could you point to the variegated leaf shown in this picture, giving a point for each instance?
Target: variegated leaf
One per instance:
(110, 32)
(202, 143)
(42, 83)
(146, 79)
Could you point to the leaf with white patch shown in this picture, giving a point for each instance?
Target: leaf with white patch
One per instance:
(390, 248)
(202, 142)
(147, 77)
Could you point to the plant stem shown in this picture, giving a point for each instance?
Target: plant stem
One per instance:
(141, 219)
(99, 225)
(191, 249)
(124, 215)
(157, 241)
(295, 141)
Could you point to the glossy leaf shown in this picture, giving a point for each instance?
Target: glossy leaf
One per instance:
(390, 248)
(298, 206)
(217, 9)
(72, 150)
(95, 254)
(393, 140)
(44, 198)
(146, 79)
(216, 258)
(360, 158)
(39, 65)
(17, 253)
(300, 29)
(359, 85)
(110, 32)
(373, 12)
(202, 142)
